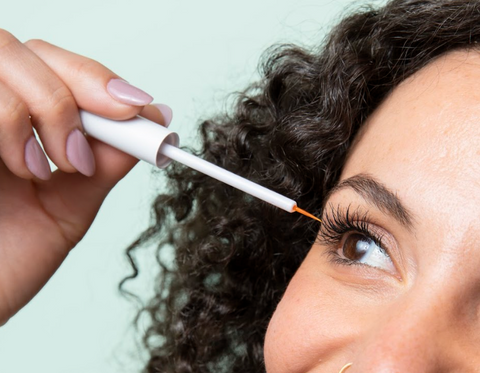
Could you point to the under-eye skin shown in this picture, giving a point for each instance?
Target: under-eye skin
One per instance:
(351, 239)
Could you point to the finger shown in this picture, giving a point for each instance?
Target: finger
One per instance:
(112, 165)
(50, 103)
(81, 196)
(94, 87)
(74, 189)
(19, 149)
(159, 113)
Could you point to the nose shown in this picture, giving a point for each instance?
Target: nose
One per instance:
(421, 336)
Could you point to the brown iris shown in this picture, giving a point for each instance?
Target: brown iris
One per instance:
(355, 246)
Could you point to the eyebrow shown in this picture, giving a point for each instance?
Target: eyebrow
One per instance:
(378, 195)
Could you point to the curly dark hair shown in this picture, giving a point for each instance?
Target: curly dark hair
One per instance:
(291, 131)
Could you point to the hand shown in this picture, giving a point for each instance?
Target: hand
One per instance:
(44, 215)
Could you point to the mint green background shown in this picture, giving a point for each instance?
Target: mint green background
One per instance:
(188, 54)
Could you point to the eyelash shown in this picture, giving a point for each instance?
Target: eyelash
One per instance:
(336, 223)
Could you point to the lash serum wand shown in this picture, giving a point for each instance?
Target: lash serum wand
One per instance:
(155, 144)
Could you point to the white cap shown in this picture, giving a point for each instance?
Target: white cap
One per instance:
(138, 136)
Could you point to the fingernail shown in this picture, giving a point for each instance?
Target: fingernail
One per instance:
(79, 153)
(36, 160)
(126, 93)
(166, 112)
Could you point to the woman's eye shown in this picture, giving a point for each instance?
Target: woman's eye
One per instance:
(360, 248)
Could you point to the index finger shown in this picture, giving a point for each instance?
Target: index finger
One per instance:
(94, 87)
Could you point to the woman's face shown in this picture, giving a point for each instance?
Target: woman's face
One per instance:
(393, 283)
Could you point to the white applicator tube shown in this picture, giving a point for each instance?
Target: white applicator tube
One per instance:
(155, 144)
(228, 177)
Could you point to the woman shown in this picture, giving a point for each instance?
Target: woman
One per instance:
(376, 132)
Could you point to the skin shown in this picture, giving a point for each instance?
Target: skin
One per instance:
(50, 84)
(422, 316)
(422, 143)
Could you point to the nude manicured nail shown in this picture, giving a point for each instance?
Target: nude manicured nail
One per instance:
(166, 112)
(80, 154)
(36, 160)
(126, 93)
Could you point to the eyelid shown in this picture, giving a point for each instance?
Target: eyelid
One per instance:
(337, 222)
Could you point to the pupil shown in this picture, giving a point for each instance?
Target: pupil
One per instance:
(356, 245)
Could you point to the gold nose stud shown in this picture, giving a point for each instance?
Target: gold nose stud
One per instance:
(345, 368)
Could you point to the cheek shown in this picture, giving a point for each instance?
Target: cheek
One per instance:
(308, 327)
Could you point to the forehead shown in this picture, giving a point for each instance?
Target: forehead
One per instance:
(424, 140)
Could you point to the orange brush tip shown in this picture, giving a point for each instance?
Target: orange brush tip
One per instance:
(303, 212)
